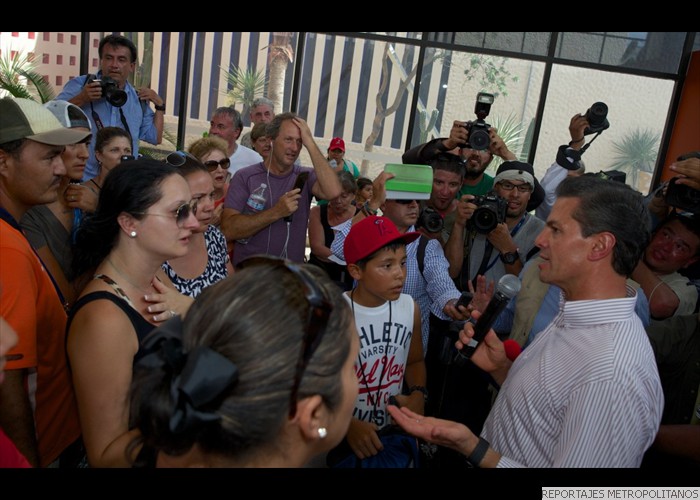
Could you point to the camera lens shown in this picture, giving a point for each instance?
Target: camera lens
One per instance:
(597, 113)
(116, 97)
(597, 118)
(484, 219)
(479, 139)
(430, 220)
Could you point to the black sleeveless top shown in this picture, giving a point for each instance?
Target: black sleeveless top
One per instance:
(141, 326)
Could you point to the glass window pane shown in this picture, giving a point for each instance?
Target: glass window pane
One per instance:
(637, 110)
(360, 90)
(519, 42)
(652, 51)
(449, 85)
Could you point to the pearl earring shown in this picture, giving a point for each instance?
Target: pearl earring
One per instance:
(322, 432)
(132, 234)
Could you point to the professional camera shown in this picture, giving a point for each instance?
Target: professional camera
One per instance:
(597, 118)
(110, 90)
(682, 196)
(431, 220)
(479, 130)
(490, 212)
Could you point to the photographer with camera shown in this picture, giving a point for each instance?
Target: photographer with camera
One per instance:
(109, 100)
(557, 172)
(440, 210)
(494, 234)
(477, 152)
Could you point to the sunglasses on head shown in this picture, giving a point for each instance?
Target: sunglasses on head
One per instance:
(213, 164)
(406, 202)
(316, 321)
(178, 158)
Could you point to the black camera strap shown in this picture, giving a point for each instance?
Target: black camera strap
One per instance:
(489, 248)
(100, 126)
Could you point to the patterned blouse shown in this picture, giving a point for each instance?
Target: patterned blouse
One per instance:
(216, 266)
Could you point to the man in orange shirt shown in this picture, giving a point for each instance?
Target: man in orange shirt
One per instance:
(37, 405)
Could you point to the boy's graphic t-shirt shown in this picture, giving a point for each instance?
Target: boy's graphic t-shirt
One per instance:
(385, 338)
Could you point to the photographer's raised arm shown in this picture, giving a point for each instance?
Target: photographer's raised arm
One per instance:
(498, 146)
(423, 153)
(688, 170)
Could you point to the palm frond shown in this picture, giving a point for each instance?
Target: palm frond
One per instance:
(245, 85)
(19, 78)
(638, 149)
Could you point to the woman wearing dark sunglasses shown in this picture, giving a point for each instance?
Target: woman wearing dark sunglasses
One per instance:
(245, 382)
(213, 152)
(143, 217)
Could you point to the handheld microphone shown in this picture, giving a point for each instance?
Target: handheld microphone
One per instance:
(508, 286)
(298, 184)
(512, 349)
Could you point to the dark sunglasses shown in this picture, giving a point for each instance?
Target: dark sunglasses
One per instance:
(181, 213)
(213, 164)
(316, 322)
(406, 202)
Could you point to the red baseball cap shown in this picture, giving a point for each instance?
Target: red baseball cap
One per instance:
(371, 234)
(337, 143)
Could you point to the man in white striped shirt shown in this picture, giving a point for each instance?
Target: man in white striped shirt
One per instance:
(586, 392)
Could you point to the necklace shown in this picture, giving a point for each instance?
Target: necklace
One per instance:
(95, 183)
(126, 278)
(362, 368)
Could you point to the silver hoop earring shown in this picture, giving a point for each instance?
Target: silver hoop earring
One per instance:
(322, 432)
(132, 234)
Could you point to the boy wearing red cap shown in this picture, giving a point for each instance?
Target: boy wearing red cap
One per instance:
(388, 323)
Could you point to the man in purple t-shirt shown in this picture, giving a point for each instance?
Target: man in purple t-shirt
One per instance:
(280, 228)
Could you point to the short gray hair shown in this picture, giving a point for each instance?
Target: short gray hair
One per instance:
(263, 101)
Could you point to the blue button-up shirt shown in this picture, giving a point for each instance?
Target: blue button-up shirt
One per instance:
(138, 114)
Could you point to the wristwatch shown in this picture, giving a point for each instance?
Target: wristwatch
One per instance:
(510, 257)
(419, 388)
(160, 108)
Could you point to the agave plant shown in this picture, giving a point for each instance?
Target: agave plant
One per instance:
(509, 129)
(636, 152)
(246, 86)
(19, 78)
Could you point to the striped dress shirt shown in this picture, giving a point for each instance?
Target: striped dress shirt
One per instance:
(585, 393)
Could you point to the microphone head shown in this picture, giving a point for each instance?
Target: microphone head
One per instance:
(512, 349)
(508, 285)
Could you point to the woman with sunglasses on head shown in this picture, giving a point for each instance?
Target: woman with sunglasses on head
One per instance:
(230, 387)
(206, 260)
(143, 217)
